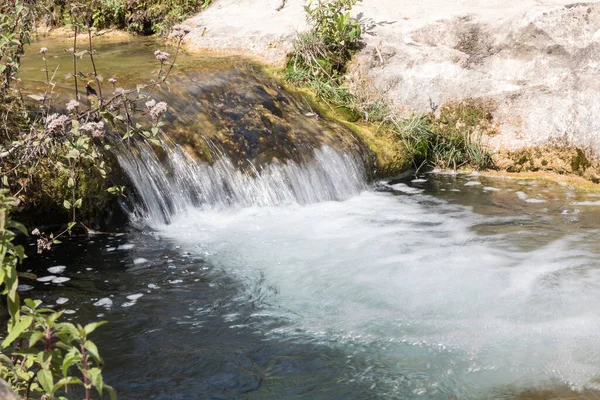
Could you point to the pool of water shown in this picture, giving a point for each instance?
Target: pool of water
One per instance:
(445, 286)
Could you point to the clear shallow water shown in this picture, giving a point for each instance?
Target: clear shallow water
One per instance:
(441, 294)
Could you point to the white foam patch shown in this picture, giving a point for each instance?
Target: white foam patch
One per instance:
(61, 300)
(472, 183)
(420, 180)
(404, 188)
(153, 286)
(536, 201)
(522, 196)
(175, 281)
(70, 312)
(104, 302)
(491, 189)
(59, 269)
(586, 203)
(135, 297)
(46, 278)
(61, 279)
(126, 246)
(24, 288)
(140, 260)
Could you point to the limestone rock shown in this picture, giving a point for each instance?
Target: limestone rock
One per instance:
(538, 61)
(6, 392)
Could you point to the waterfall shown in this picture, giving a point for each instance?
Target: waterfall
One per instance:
(167, 188)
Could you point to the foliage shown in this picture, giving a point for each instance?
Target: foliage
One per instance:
(430, 142)
(64, 153)
(320, 55)
(144, 17)
(60, 145)
(40, 354)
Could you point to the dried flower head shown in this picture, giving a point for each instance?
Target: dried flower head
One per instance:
(43, 244)
(161, 55)
(158, 110)
(179, 31)
(96, 129)
(43, 50)
(55, 122)
(150, 103)
(73, 104)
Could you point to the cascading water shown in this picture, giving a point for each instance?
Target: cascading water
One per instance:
(436, 308)
(171, 188)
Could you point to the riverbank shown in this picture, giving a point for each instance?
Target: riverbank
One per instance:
(531, 62)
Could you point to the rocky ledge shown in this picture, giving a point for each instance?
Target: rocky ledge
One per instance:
(534, 63)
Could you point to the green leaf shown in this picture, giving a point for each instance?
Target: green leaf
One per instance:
(27, 275)
(112, 392)
(69, 380)
(71, 182)
(155, 142)
(35, 337)
(93, 350)
(71, 225)
(95, 376)
(89, 328)
(14, 333)
(78, 203)
(46, 380)
(67, 204)
(73, 357)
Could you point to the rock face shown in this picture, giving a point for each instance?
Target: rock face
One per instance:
(6, 392)
(535, 62)
(260, 28)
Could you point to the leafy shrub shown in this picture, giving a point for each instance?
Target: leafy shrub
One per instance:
(332, 38)
(41, 355)
(144, 17)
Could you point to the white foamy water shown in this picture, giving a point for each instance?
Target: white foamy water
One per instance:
(414, 281)
(403, 280)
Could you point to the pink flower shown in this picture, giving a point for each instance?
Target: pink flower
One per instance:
(161, 56)
(158, 110)
(43, 50)
(56, 122)
(150, 103)
(180, 31)
(112, 80)
(35, 232)
(96, 129)
(73, 104)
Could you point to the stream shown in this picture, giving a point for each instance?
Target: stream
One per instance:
(300, 278)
